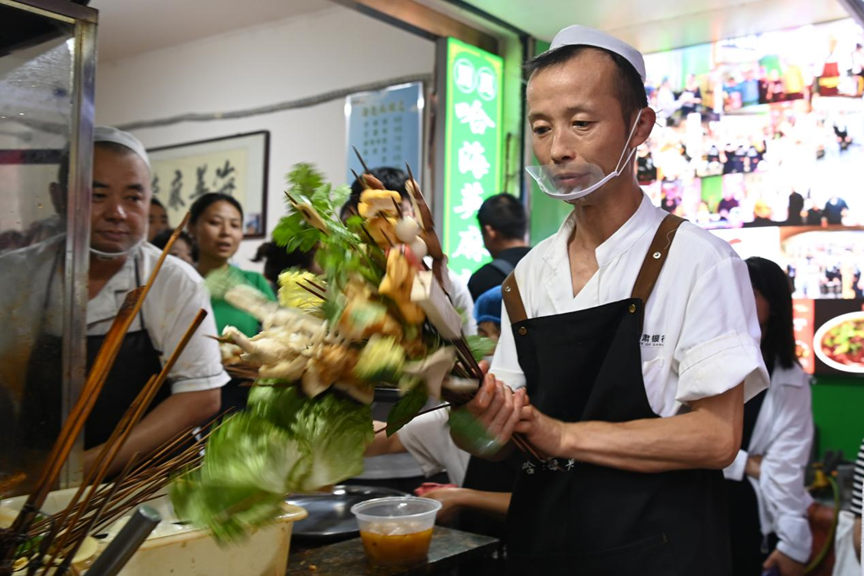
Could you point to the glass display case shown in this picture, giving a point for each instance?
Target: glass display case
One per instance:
(47, 70)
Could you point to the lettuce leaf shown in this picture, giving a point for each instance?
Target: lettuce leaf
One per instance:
(248, 467)
(337, 430)
(284, 442)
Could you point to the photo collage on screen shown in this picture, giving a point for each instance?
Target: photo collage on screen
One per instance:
(761, 140)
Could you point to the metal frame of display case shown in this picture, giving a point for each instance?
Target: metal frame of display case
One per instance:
(79, 185)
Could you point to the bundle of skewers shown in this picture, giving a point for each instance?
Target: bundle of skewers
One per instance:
(380, 315)
(39, 544)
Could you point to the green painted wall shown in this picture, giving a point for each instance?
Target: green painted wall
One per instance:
(838, 411)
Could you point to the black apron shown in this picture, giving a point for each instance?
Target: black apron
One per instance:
(137, 360)
(569, 517)
(488, 476)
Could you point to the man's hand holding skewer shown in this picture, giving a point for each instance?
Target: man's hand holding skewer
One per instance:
(497, 408)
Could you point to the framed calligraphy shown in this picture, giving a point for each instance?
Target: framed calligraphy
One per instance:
(234, 165)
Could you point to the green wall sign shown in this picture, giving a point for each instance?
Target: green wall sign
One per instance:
(472, 150)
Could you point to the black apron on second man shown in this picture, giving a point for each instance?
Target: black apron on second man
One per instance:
(570, 517)
(136, 362)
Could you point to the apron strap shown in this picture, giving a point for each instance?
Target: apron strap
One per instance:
(657, 253)
(513, 299)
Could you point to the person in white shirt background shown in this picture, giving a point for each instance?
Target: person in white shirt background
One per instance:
(636, 402)
(768, 501)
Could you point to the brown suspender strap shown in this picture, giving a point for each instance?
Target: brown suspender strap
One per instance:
(513, 299)
(655, 258)
(648, 275)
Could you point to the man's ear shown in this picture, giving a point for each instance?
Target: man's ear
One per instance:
(491, 233)
(644, 127)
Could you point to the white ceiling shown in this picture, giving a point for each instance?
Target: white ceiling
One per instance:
(654, 25)
(131, 27)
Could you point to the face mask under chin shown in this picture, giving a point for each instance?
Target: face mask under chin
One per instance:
(114, 255)
(575, 180)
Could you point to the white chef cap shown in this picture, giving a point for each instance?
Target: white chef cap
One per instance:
(577, 35)
(111, 134)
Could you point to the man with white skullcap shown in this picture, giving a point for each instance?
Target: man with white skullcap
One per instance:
(120, 261)
(634, 335)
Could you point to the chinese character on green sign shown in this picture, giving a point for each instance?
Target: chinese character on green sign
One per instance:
(472, 170)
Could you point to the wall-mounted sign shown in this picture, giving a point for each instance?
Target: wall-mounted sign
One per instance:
(386, 126)
(470, 151)
(234, 165)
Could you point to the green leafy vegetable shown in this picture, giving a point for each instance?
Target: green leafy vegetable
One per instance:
(249, 466)
(306, 185)
(304, 179)
(406, 409)
(480, 346)
(271, 400)
(250, 451)
(221, 280)
(337, 430)
(470, 430)
(229, 512)
(284, 442)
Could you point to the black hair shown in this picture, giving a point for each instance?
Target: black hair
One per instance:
(201, 204)
(778, 339)
(628, 83)
(505, 214)
(276, 260)
(155, 202)
(161, 239)
(392, 178)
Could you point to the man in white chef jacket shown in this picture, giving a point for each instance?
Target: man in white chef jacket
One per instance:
(615, 451)
(120, 260)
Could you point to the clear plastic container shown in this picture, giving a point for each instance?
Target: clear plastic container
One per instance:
(396, 530)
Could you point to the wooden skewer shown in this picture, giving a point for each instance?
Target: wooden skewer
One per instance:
(69, 554)
(410, 174)
(371, 239)
(360, 178)
(362, 162)
(118, 437)
(310, 290)
(81, 410)
(387, 238)
(242, 373)
(404, 421)
(153, 472)
(220, 339)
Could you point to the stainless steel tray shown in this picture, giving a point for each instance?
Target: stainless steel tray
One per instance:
(330, 516)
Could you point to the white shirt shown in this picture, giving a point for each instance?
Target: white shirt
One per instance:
(168, 310)
(783, 436)
(427, 439)
(171, 305)
(461, 298)
(701, 336)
